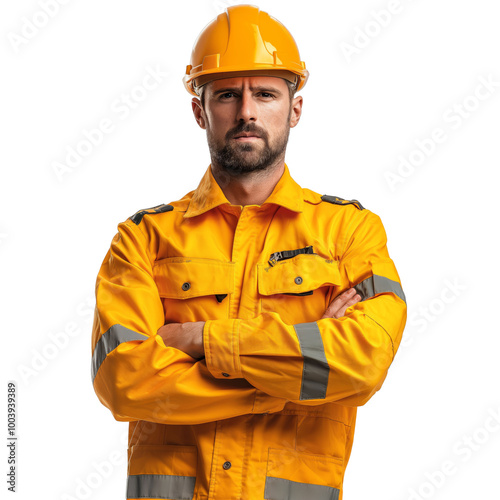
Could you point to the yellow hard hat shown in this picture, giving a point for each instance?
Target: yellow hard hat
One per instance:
(244, 39)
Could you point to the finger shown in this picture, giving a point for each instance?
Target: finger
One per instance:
(339, 301)
(342, 310)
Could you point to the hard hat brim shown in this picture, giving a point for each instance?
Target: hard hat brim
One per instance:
(204, 79)
(193, 84)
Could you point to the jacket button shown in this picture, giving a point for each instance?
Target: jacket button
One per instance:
(186, 286)
(298, 280)
(226, 465)
(225, 374)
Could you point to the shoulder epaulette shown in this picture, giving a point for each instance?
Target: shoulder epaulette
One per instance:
(137, 217)
(340, 201)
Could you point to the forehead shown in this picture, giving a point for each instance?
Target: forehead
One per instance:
(250, 82)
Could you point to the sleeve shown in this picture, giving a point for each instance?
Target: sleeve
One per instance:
(134, 373)
(341, 360)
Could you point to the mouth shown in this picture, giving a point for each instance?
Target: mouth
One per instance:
(245, 138)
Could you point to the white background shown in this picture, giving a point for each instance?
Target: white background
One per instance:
(362, 114)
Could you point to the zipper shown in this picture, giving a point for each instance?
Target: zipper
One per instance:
(288, 254)
(274, 258)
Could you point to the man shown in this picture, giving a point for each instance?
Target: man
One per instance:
(238, 328)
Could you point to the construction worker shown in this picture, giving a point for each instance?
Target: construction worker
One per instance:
(239, 328)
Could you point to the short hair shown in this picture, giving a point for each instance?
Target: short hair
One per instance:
(292, 88)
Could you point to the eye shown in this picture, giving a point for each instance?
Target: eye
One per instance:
(225, 95)
(266, 95)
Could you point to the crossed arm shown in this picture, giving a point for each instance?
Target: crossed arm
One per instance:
(188, 337)
(186, 373)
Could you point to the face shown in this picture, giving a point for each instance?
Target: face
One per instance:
(248, 120)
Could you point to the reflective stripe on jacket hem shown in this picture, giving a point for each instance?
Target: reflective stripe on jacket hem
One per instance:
(315, 371)
(111, 340)
(283, 489)
(160, 486)
(379, 284)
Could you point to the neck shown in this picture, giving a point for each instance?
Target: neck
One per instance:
(252, 188)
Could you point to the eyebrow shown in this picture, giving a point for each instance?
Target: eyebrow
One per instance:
(260, 87)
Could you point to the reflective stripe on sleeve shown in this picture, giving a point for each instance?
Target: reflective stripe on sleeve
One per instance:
(315, 371)
(283, 489)
(379, 284)
(111, 340)
(160, 486)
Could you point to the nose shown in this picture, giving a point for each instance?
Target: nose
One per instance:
(247, 110)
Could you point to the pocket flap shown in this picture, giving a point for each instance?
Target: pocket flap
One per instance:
(185, 277)
(175, 460)
(301, 273)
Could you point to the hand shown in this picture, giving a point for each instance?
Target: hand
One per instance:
(187, 337)
(339, 304)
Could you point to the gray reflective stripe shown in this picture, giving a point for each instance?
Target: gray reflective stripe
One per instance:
(316, 370)
(379, 284)
(109, 341)
(283, 489)
(160, 486)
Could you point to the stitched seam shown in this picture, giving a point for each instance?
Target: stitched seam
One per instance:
(151, 263)
(296, 432)
(311, 414)
(387, 333)
(254, 399)
(213, 472)
(233, 348)
(200, 293)
(350, 234)
(287, 290)
(198, 260)
(236, 346)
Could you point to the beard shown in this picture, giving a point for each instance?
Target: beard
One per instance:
(242, 158)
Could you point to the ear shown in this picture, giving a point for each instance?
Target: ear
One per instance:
(198, 112)
(296, 110)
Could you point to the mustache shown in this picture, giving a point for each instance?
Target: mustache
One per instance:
(247, 127)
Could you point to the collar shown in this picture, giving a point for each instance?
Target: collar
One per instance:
(287, 193)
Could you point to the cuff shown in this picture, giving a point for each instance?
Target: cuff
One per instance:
(221, 342)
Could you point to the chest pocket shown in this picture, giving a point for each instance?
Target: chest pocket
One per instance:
(194, 289)
(300, 288)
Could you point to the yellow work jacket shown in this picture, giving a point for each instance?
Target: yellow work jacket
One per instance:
(269, 413)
